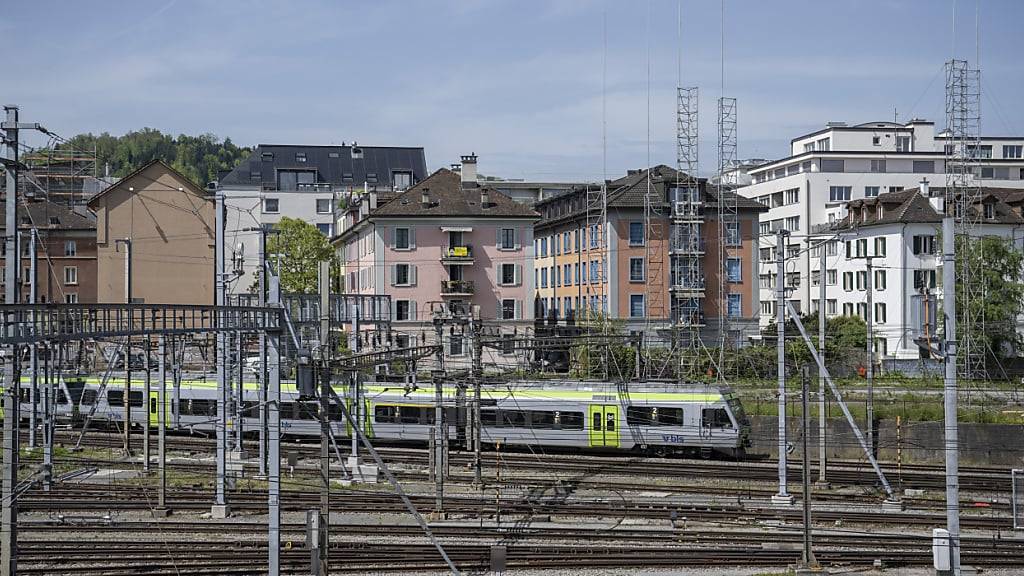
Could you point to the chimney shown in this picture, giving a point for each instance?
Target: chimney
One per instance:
(485, 198)
(924, 187)
(425, 198)
(469, 169)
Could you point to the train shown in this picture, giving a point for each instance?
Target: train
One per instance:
(658, 418)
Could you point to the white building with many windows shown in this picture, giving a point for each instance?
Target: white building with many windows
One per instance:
(807, 192)
(899, 233)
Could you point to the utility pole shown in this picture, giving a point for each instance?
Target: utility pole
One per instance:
(128, 348)
(871, 356)
(822, 324)
(34, 350)
(354, 346)
(220, 507)
(439, 436)
(783, 497)
(12, 376)
(477, 375)
(952, 443)
(162, 426)
(146, 402)
(48, 401)
(323, 540)
(262, 301)
(273, 362)
(808, 560)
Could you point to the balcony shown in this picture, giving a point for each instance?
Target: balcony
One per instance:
(680, 245)
(457, 288)
(457, 254)
(686, 286)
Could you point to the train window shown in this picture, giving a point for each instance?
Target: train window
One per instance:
(488, 417)
(545, 420)
(511, 419)
(287, 410)
(597, 421)
(571, 420)
(250, 409)
(88, 397)
(135, 398)
(152, 405)
(75, 388)
(411, 415)
(115, 397)
(24, 394)
(61, 397)
(716, 418)
(385, 414)
(308, 410)
(641, 416)
(334, 412)
(203, 407)
(670, 416)
(610, 425)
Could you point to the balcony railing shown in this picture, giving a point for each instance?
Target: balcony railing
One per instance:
(694, 245)
(457, 253)
(688, 284)
(457, 287)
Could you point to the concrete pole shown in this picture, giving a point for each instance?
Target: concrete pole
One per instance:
(274, 438)
(47, 417)
(162, 424)
(33, 298)
(146, 402)
(952, 443)
(12, 376)
(439, 436)
(220, 508)
(262, 301)
(780, 320)
(128, 348)
(323, 540)
(871, 357)
(354, 348)
(240, 395)
(808, 559)
(822, 325)
(477, 375)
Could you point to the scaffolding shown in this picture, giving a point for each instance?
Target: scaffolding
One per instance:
(728, 222)
(62, 175)
(962, 197)
(686, 245)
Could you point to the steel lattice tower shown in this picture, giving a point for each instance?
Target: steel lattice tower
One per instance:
(962, 197)
(686, 243)
(728, 222)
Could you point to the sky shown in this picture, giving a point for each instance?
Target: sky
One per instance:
(556, 90)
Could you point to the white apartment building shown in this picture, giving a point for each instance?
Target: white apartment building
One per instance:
(306, 182)
(900, 232)
(807, 192)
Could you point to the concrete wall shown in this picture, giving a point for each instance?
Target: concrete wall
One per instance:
(921, 442)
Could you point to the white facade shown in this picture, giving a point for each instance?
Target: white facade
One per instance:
(808, 190)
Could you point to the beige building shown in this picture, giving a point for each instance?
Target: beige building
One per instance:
(170, 223)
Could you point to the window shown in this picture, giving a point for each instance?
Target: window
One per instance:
(732, 234)
(830, 306)
(862, 247)
(832, 248)
(983, 151)
(735, 305)
(924, 279)
(636, 305)
(766, 307)
(766, 254)
(793, 223)
(879, 279)
(862, 310)
(300, 156)
(824, 144)
(847, 309)
(924, 244)
(71, 298)
(403, 310)
(636, 233)
(402, 275)
(831, 277)
(565, 242)
(876, 141)
(402, 239)
(401, 180)
(543, 247)
(595, 273)
(809, 147)
(593, 233)
(924, 166)
(733, 270)
(508, 309)
(878, 165)
(636, 269)
(793, 196)
(323, 205)
(862, 279)
(508, 275)
(832, 165)
(455, 345)
(880, 313)
(70, 248)
(70, 275)
(654, 416)
(989, 210)
(543, 277)
(576, 240)
(508, 238)
(848, 281)
(576, 272)
(271, 205)
(870, 191)
(324, 229)
(903, 143)
(1013, 151)
(839, 193)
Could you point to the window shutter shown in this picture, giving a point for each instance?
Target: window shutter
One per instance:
(412, 237)
(394, 309)
(412, 310)
(515, 234)
(518, 274)
(389, 236)
(498, 311)
(917, 244)
(394, 273)
(412, 274)
(518, 310)
(498, 241)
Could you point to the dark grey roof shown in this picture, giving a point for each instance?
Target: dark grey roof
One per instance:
(448, 198)
(910, 206)
(335, 165)
(47, 215)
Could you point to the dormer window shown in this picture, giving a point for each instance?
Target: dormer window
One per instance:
(880, 213)
(300, 157)
(267, 156)
(990, 210)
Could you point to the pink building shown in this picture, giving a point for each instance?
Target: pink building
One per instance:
(447, 243)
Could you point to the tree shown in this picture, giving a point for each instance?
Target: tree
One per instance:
(302, 247)
(989, 316)
(845, 341)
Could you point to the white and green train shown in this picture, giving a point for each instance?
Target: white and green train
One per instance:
(655, 417)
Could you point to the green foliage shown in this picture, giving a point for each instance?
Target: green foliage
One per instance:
(198, 157)
(302, 248)
(845, 342)
(995, 268)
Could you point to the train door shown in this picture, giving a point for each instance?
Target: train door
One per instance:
(154, 410)
(604, 425)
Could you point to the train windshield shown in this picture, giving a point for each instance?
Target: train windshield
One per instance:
(737, 410)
